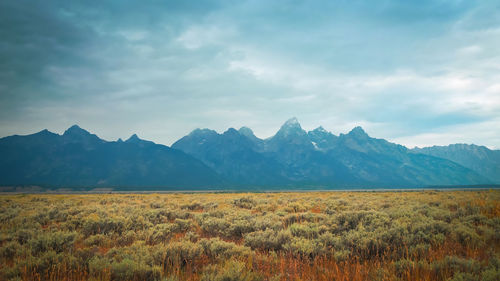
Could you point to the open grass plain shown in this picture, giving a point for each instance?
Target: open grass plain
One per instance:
(428, 235)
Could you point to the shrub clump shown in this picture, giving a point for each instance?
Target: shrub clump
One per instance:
(268, 239)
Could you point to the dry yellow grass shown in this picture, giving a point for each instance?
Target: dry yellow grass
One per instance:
(431, 235)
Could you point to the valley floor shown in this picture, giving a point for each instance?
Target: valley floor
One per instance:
(418, 235)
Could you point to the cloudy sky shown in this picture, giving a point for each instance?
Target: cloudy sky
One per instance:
(414, 72)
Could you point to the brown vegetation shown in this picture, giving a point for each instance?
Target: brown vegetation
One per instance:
(268, 236)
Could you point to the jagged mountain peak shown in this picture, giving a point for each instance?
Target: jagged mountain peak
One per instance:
(45, 132)
(320, 129)
(248, 133)
(291, 123)
(358, 132)
(231, 131)
(79, 135)
(454, 147)
(320, 132)
(291, 128)
(322, 139)
(136, 140)
(289, 137)
(205, 131)
(465, 146)
(133, 138)
(76, 130)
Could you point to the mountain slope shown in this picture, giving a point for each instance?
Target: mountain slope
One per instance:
(80, 159)
(480, 159)
(321, 139)
(383, 163)
(305, 163)
(233, 155)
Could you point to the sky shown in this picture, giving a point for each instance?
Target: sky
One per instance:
(417, 73)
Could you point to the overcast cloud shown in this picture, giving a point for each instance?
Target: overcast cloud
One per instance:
(415, 72)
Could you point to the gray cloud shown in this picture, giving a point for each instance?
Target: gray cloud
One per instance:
(417, 73)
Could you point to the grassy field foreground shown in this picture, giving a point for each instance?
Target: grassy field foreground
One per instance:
(449, 235)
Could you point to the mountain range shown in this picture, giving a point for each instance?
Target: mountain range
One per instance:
(477, 158)
(237, 159)
(81, 159)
